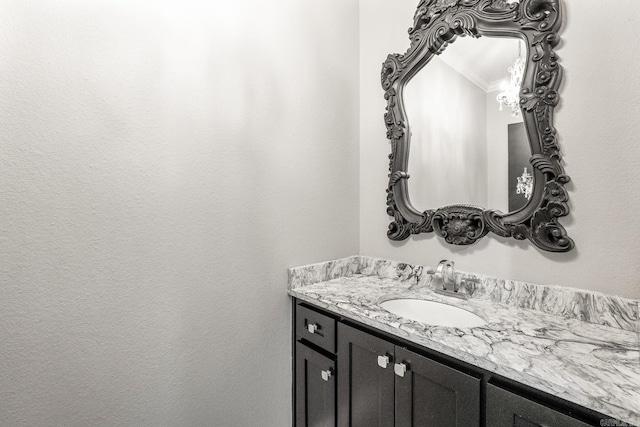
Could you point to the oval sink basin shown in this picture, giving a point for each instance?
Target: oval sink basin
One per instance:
(433, 313)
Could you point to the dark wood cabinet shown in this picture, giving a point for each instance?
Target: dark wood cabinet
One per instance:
(382, 384)
(507, 409)
(429, 393)
(315, 368)
(365, 379)
(350, 375)
(316, 388)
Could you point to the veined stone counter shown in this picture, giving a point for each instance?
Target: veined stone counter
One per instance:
(581, 346)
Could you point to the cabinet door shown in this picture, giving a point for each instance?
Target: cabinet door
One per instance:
(365, 379)
(431, 394)
(506, 409)
(315, 389)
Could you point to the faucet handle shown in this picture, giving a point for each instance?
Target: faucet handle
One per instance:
(470, 281)
(445, 264)
(446, 273)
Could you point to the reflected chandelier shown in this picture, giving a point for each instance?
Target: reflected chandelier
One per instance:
(525, 184)
(510, 89)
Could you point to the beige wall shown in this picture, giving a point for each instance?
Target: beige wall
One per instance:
(162, 163)
(598, 123)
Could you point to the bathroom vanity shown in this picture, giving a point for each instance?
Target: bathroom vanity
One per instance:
(379, 343)
(547, 356)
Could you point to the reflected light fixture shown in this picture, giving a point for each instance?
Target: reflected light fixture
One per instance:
(510, 89)
(525, 184)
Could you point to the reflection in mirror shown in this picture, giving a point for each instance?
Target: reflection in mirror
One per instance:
(466, 147)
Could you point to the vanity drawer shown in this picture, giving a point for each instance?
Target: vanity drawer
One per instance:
(316, 328)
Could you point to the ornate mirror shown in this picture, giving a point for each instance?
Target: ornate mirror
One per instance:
(444, 102)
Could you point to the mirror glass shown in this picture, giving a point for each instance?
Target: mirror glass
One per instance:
(465, 148)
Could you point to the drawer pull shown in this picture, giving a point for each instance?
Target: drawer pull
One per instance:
(400, 369)
(383, 361)
(326, 374)
(312, 328)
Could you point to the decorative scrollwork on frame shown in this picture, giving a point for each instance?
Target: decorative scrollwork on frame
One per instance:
(436, 24)
(459, 224)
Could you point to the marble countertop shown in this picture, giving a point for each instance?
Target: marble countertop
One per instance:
(593, 365)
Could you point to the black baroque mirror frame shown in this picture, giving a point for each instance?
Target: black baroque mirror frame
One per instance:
(436, 24)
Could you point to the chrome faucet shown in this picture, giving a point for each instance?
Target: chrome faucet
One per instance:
(445, 280)
(445, 276)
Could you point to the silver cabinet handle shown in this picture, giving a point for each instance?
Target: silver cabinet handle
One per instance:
(312, 328)
(383, 361)
(400, 369)
(326, 374)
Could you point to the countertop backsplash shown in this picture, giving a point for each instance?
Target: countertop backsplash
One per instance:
(571, 303)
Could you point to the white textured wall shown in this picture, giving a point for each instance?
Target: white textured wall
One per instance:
(598, 123)
(161, 164)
